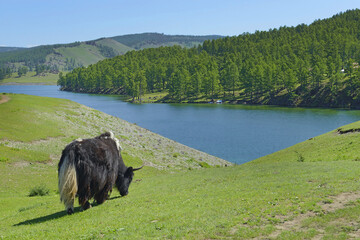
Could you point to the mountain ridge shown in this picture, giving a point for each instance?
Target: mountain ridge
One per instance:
(9, 49)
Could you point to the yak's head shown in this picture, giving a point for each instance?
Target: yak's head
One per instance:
(124, 179)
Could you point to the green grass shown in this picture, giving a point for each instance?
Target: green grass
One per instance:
(328, 147)
(22, 118)
(10, 154)
(31, 78)
(149, 97)
(84, 54)
(339, 224)
(238, 202)
(119, 48)
(235, 202)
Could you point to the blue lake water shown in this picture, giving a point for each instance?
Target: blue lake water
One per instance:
(236, 133)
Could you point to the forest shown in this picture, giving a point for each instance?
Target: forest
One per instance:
(66, 57)
(305, 65)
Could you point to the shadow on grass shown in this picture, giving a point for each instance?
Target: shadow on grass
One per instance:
(56, 215)
(112, 198)
(47, 218)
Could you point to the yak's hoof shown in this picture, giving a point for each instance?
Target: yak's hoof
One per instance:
(70, 211)
(87, 205)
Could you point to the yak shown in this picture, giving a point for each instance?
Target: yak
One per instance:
(89, 168)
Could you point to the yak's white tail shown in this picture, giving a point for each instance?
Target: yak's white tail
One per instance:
(68, 183)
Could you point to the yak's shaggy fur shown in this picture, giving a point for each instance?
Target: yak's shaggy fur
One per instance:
(89, 168)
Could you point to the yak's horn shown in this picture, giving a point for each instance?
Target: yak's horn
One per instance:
(135, 169)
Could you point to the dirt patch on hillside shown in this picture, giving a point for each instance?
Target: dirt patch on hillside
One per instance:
(352, 130)
(336, 202)
(4, 98)
(21, 164)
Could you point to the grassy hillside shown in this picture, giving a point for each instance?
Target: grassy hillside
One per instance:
(308, 191)
(30, 57)
(62, 121)
(31, 78)
(83, 54)
(118, 47)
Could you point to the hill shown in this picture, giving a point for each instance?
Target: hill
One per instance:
(65, 57)
(153, 40)
(307, 191)
(8, 49)
(31, 78)
(306, 65)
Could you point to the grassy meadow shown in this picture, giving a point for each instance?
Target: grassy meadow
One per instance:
(31, 78)
(308, 191)
(84, 54)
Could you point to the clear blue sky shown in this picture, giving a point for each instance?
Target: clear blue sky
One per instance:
(26, 23)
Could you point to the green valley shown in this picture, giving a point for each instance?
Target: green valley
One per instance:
(310, 190)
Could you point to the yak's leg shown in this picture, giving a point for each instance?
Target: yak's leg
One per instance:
(87, 205)
(70, 207)
(84, 194)
(103, 195)
(83, 201)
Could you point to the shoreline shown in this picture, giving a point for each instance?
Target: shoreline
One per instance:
(25, 83)
(228, 102)
(274, 102)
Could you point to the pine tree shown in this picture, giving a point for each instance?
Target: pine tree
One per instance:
(141, 83)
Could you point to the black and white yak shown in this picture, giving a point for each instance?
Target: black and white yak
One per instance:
(89, 168)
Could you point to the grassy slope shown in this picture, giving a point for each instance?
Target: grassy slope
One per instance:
(47, 125)
(31, 78)
(256, 199)
(84, 54)
(119, 48)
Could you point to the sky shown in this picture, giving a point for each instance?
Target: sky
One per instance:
(28, 23)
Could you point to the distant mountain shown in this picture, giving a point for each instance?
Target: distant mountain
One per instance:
(9, 49)
(69, 56)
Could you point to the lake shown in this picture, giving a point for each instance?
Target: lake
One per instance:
(237, 133)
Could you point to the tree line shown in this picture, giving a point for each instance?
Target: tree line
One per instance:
(31, 57)
(5, 72)
(301, 58)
